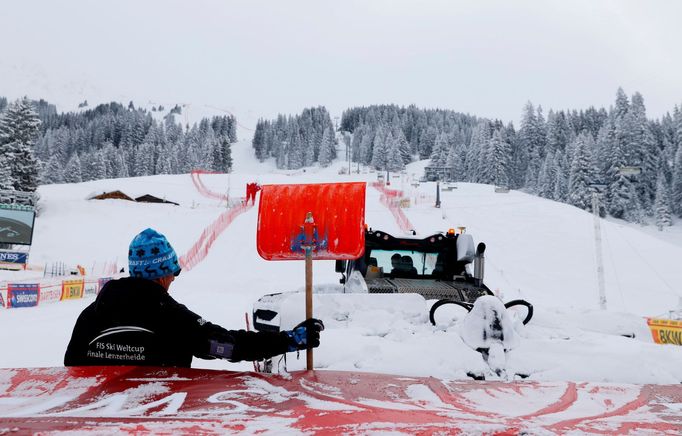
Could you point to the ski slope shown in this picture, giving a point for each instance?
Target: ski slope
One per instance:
(538, 250)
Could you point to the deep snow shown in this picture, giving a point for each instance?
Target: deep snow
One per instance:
(538, 249)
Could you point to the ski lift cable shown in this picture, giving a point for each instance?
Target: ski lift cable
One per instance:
(660, 277)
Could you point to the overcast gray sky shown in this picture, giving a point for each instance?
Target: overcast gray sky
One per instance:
(259, 58)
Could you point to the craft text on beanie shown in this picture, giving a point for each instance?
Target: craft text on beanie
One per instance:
(151, 256)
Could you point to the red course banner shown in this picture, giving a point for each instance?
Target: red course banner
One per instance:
(133, 400)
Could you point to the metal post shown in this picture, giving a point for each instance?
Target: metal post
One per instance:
(597, 244)
(479, 264)
(437, 193)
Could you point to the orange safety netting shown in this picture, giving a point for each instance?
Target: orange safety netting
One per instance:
(203, 190)
(200, 249)
(388, 198)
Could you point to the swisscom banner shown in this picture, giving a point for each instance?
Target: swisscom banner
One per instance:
(22, 294)
(16, 226)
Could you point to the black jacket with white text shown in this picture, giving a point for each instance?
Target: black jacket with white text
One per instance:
(134, 321)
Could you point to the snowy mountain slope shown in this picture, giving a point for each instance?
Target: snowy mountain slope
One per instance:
(537, 249)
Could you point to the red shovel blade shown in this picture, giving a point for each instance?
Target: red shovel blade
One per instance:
(338, 210)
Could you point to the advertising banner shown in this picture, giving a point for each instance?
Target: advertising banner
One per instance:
(16, 226)
(665, 331)
(91, 287)
(22, 294)
(72, 289)
(2, 301)
(50, 292)
(13, 257)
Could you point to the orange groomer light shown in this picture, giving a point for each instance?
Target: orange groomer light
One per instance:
(451, 232)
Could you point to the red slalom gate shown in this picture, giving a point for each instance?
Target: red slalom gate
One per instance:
(133, 400)
(386, 199)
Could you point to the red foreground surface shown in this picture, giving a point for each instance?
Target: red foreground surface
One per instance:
(139, 400)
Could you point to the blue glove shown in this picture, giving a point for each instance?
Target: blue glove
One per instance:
(305, 335)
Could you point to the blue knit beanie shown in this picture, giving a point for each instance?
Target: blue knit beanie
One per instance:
(151, 256)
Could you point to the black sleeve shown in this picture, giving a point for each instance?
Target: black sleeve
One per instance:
(237, 345)
(257, 345)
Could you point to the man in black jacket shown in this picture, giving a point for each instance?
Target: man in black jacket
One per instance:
(134, 321)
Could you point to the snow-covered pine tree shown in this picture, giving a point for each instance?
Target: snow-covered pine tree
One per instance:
(258, 141)
(379, 150)
(532, 139)
(427, 139)
(395, 159)
(163, 164)
(226, 155)
(311, 147)
(86, 167)
(439, 153)
(192, 154)
(216, 155)
(500, 159)
(662, 209)
(295, 152)
(54, 172)
(366, 148)
(144, 160)
(476, 158)
(72, 172)
(561, 178)
(677, 183)
(403, 146)
(327, 148)
(581, 174)
(547, 177)
(453, 161)
(624, 202)
(355, 142)
(121, 167)
(644, 152)
(558, 131)
(6, 180)
(139, 130)
(19, 129)
(232, 129)
(99, 165)
(111, 161)
(677, 129)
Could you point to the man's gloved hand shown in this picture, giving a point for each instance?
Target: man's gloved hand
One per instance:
(305, 335)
